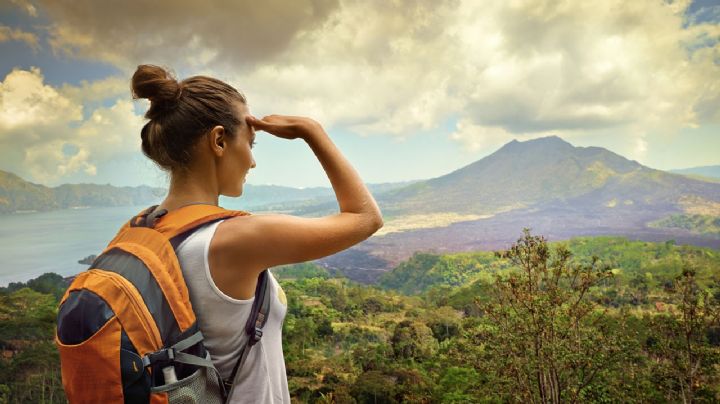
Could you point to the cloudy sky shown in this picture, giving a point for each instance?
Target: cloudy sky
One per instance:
(406, 89)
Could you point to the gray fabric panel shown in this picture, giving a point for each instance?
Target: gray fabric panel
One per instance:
(135, 271)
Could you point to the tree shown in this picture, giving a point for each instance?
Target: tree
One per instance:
(413, 340)
(444, 322)
(682, 342)
(547, 335)
(374, 387)
(371, 356)
(456, 385)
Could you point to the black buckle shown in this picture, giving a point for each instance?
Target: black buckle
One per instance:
(148, 218)
(258, 335)
(163, 355)
(154, 216)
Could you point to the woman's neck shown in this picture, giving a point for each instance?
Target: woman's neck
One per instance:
(186, 191)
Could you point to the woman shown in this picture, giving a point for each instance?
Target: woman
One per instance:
(201, 132)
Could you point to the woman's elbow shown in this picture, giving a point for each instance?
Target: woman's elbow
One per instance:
(377, 222)
(365, 225)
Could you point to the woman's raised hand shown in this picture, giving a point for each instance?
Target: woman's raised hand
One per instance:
(284, 126)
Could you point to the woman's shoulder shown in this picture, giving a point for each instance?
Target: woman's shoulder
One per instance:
(232, 269)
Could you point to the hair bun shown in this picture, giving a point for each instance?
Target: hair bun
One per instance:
(157, 84)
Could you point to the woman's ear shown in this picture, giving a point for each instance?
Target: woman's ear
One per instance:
(218, 140)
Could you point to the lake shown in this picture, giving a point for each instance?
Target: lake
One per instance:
(34, 243)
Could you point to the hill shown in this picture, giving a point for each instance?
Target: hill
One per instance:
(518, 175)
(17, 194)
(459, 342)
(546, 184)
(296, 200)
(540, 171)
(656, 263)
(528, 174)
(712, 172)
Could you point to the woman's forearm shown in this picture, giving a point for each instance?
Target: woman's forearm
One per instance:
(351, 193)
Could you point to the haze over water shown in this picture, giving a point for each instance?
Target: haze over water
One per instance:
(32, 244)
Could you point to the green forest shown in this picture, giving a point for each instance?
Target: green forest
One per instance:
(600, 319)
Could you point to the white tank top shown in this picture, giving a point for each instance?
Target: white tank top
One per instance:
(222, 321)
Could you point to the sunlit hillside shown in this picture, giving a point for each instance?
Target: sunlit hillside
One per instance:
(462, 327)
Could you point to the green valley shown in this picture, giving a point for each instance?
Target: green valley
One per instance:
(592, 319)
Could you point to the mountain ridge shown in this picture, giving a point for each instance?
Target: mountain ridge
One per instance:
(704, 172)
(518, 174)
(19, 195)
(546, 184)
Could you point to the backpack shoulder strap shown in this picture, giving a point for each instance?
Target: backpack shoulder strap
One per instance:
(174, 225)
(188, 217)
(145, 236)
(131, 223)
(254, 326)
(261, 308)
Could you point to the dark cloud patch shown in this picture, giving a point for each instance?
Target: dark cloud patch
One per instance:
(238, 33)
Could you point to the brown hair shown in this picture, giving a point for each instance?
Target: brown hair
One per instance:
(181, 112)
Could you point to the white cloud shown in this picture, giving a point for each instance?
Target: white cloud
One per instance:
(374, 67)
(641, 147)
(26, 102)
(98, 90)
(501, 69)
(112, 130)
(43, 134)
(47, 161)
(523, 66)
(479, 137)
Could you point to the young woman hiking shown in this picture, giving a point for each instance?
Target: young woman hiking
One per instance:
(201, 132)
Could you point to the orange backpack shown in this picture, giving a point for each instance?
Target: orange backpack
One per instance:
(126, 330)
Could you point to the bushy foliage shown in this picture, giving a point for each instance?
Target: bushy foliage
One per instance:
(423, 271)
(703, 224)
(29, 366)
(590, 320)
(546, 334)
(48, 283)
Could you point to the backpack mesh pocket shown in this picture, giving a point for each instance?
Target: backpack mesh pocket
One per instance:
(202, 386)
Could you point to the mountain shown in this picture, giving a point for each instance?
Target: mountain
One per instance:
(281, 198)
(276, 197)
(17, 194)
(704, 171)
(546, 184)
(68, 195)
(540, 171)
(521, 175)
(518, 175)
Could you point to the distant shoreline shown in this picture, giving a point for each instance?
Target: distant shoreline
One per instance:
(24, 211)
(79, 207)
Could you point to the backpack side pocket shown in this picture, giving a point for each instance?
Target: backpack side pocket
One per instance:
(90, 371)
